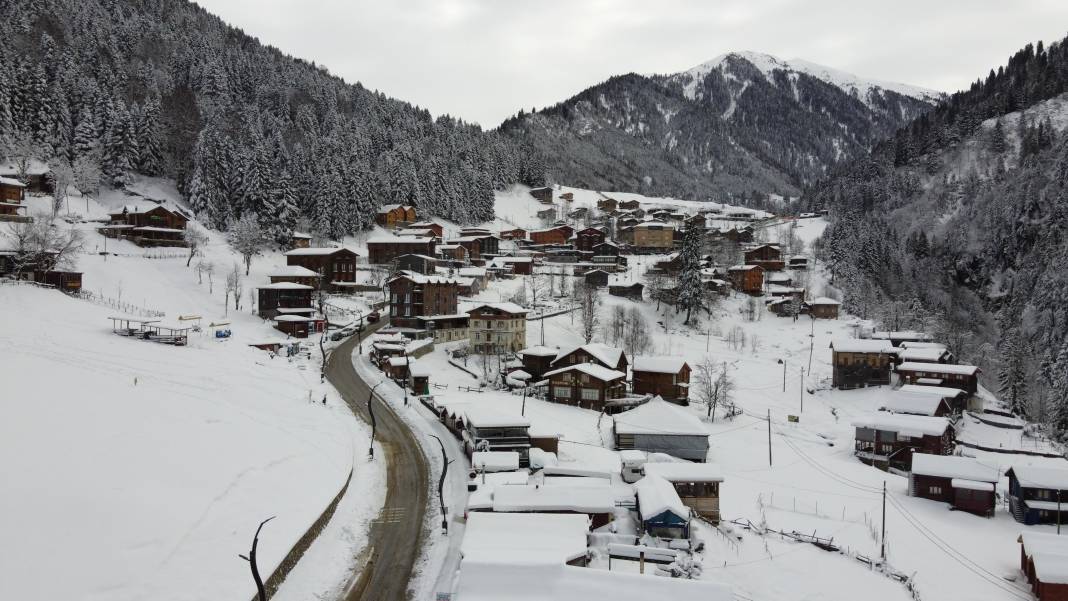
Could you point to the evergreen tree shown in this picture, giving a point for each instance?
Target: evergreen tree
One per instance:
(1013, 376)
(690, 292)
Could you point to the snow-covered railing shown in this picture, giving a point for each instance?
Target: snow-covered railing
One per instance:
(14, 282)
(118, 305)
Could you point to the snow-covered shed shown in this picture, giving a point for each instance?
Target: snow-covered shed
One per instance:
(597, 502)
(915, 403)
(964, 377)
(889, 439)
(666, 377)
(1044, 560)
(661, 427)
(963, 482)
(495, 461)
(526, 537)
(1038, 493)
(663, 514)
(697, 484)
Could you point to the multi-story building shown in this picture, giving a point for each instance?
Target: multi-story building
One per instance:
(414, 295)
(497, 328)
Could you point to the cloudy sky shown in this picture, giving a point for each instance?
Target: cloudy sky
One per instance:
(482, 60)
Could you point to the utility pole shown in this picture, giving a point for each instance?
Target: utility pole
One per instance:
(404, 384)
(523, 408)
(441, 484)
(769, 437)
(783, 363)
(374, 424)
(802, 390)
(882, 539)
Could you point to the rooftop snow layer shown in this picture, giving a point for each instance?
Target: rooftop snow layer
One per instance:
(685, 471)
(609, 355)
(575, 499)
(482, 417)
(950, 466)
(859, 345)
(1042, 477)
(659, 417)
(913, 402)
(908, 425)
(942, 368)
(659, 365)
(524, 537)
(656, 496)
(597, 371)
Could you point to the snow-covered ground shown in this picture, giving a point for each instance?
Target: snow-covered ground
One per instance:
(140, 470)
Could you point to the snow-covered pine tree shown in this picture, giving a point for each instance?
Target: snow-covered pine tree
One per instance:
(1013, 376)
(118, 146)
(150, 157)
(690, 292)
(85, 140)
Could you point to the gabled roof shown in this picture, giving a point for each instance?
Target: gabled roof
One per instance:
(940, 391)
(317, 252)
(292, 271)
(860, 345)
(420, 278)
(539, 351)
(823, 300)
(285, 286)
(908, 425)
(609, 355)
(524, 537)
(575, 499)
(964, 370)
(922, 355)
(659, 365)
(914, 403)
(949, 466)
(8, 181)
(592, 369)
(1042, 477)
(659, 417)
(656, 496)
(510, 308)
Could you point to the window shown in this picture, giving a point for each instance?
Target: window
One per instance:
(561, 392)
(590, 394)
(934, 490)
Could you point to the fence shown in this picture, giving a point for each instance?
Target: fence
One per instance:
(118, 305)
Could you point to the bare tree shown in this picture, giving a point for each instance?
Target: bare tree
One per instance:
(63, 176)
(617, 325)
(209, 269)
(713, 385)
(251, 559)
(42, 245)
(87, 176)
(233, 286)
(247, 238)
(637, 340)
(589, 304)
(19, 147)
(195, 239)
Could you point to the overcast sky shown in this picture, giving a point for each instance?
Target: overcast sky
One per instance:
(482, 60)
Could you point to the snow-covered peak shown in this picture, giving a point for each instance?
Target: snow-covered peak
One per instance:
(767, 63)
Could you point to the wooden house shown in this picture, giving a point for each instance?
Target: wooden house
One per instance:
(607, 204)
(600, 354)
(284, 298)
(453, 253)
(1038, 494)
(629, 205)
(514, 265)
(586, 385)
(517, 233)
(597, 504)
(632, 291)
(1042, 560)
(412, 295)
(336, 266)
(964, 377)
(537, 360)
(605, 249)
(666, 377)
(598, 278)
(824, 308)
(295, 274)
(747, 278)
(889, 439)
(954, 397)
(798, 262)
(446, 328)
(858, 363)
(436, 229)
(299, 240)
(544, 194)
(498, 328)
(65, 281)
(662, 512)
(498, 538)
(963, 482)
(12, 195)
(416, 263)
(395, 215)
(588, 238)
(915, 403)
(650, 235)
(768, 256)
(485, 429)
(662, 427)
(298, 326)
(546, 214)
(472, 244)
(148, 225)
(697, 484)
(36, 175)
(383, 251)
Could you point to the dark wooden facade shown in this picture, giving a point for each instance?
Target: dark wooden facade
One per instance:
(67, 281)
(537, 361)
(767, 256)
(553, 235)
(860, 363)
(588, 354)
(884, 446)
(649, 378)
(384, 252)
(412, 295)
(282, 295)
(588, 238)
(416, 263)
(597, 278)
(152, 226)
(544, 194)
(748, 279)
(1038, 496)
(575, 385)
(940, 488)
(332, 264)
(633, 291)
(951, 376)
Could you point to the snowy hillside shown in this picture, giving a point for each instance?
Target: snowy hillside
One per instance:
(143, 469)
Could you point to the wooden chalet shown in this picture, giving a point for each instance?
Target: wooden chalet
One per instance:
(148, 225)
(588, 238)
(899, 338)
(446, 328)
(633, 291)
(964, 377)
(412, 295)
(963, 482)
(768, 256)
(916, 403)
(747, 278)
(658, 426)
(383, 251)
(598, 278)
(453, 252)
(956, 398)
(296, 274)
(546, 214)
(435, 228)
(485, 429)
(537, 360)
(544, 194)
(650, 235)
(607, 204)
(65, 281)
(824, 308)
(925, 354)
(1037, 494)
(661, 510)
(284, 298)
(596, 504)
(552, 235)
(629, 205)
(889, 439)
(336, 266)
(299, 326)
(605, 249)
(666, 377)
(798, 262)
(697, 484)
(395, 215)
(514, 265)
(1043, 557)
(416, 263)
(858, 363)
(595, 352)
(586, 385)
(517, 233)
(12, 196)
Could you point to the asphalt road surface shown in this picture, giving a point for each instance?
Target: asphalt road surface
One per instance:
(394, 540)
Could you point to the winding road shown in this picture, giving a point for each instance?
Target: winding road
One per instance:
(394, 540)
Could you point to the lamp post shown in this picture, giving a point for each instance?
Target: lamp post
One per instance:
(404, 383)
(374, 424)
(783, 363)
(441, 484)
(802, 390)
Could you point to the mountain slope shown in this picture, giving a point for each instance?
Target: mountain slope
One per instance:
(741, 123)
(961, 217)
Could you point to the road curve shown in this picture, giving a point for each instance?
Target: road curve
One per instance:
(395, 537)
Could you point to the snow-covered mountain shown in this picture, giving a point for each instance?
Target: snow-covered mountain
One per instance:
(738, 124)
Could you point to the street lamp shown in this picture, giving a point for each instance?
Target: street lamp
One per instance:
(783, 363)
(441, 484)
(374, 424)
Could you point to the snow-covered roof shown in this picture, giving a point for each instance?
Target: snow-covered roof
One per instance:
(599, 372)
(316, 252)
(399, 240)
(418, 369)
(609, 355)
(514, 581)
(420, 278)
(293, 318)
(921, 355)
(913, 402)
(908, 425)
(506, 307)
(743, 267)
(285, 286)
(1042, 477)
(901, 335)
(292, 271)
(859, 345)
(971, 484)
(1049, 552)
(580, 471)
(301, 235)
(940, 368)
(659, 365)
(914, 344)
(539, 351)
(7, 181)
(685, 471)
(152, 228)
(951, 466)
(823, 300)
(495, 461)
(632, 457)
(519, 375)
(390, 207)
(575, 499)
(524, 537)
(656, 496)
(308, 310)
(659, 417)
(941, 391)
(482, 417)
(416, 231)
